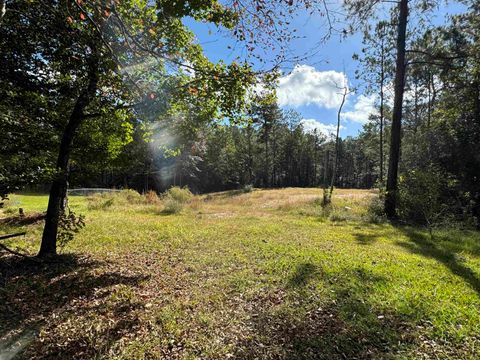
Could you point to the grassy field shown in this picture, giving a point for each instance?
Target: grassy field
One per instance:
(261, 275)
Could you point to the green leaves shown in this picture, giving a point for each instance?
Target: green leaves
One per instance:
(207, 10)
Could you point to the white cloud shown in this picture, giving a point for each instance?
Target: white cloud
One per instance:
(326, 129)
(305, 85)
(363, 107)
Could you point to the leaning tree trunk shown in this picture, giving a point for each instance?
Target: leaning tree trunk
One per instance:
(58, 189)
(395, 140)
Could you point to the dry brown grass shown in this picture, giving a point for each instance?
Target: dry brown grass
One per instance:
(265, 203)
(152, 198)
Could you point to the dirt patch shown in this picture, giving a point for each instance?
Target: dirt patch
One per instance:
(20, 220)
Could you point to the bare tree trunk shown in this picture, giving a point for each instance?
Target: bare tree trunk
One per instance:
(58, 189)
(335, 163)
(395, 142)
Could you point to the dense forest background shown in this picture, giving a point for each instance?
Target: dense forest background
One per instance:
(273, 150)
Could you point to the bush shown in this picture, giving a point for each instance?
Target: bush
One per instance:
(172, 206)
(182, 195)
(376, 210)
(327, 197)
(151, 197)
(129, 196)
(69, 224)
(247, 188)
(175, 199)
(421, 200)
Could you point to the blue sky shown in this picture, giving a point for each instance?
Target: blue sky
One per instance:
(308, 86)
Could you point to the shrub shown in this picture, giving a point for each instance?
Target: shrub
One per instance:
(151, 197)
(247, 188)
(69, 224)
(327, 197)
(375, 210)
(172, 206)
(420, 193)
(182, 195)
(175, 199)
(129, 196)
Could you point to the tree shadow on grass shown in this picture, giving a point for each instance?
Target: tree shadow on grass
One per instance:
(420, 243)
(225, 194)
(34, 295)
(345, 327)
(302, 275)
(365, 239)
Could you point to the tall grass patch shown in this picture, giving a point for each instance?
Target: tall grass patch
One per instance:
(175, 198)
(107, 200)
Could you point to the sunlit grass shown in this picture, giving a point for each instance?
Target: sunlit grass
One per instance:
(264, 274)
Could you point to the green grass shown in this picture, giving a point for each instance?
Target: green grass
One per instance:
(265, 274)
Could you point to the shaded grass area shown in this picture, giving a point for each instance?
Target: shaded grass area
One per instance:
(34, 293)
(441, 251)
(265, 274)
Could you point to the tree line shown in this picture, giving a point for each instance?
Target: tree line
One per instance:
(272, 149)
